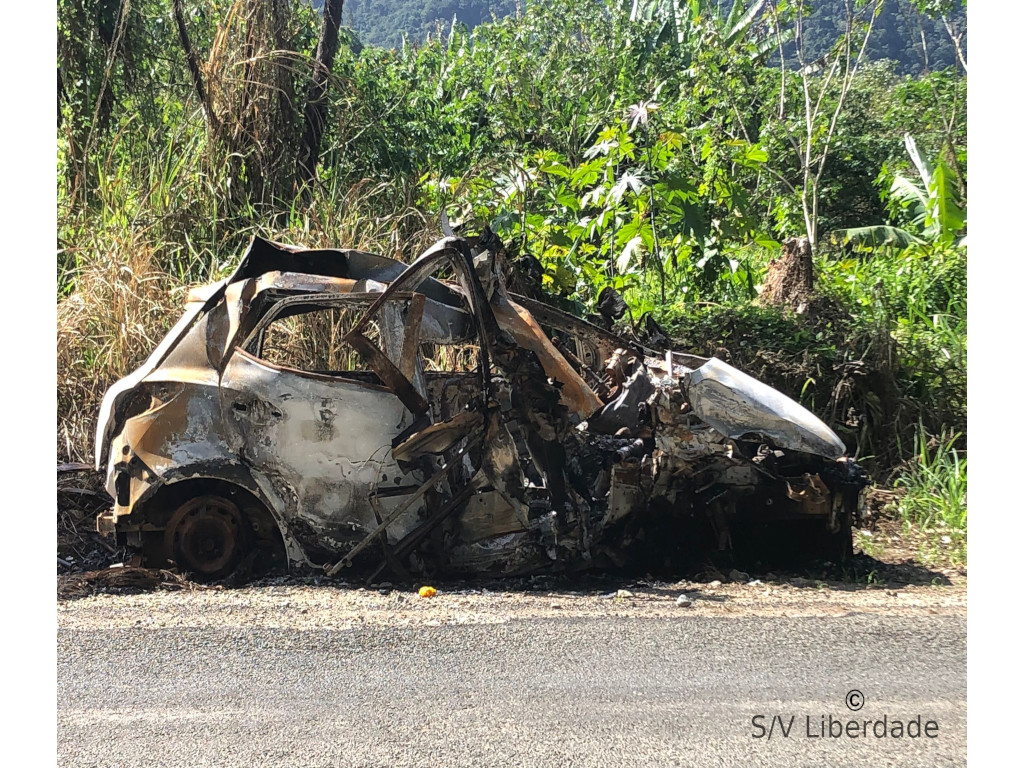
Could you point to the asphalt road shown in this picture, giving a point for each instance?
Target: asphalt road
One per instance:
(540, 691)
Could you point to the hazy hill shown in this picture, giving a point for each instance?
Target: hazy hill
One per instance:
(382, 22)
(897, 35)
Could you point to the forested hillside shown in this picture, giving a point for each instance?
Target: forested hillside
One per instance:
(901, 25)
(667, 151)
(384, 23)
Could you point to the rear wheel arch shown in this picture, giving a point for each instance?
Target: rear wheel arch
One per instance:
(262, 531)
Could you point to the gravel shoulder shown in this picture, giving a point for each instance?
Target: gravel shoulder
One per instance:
(285, 604)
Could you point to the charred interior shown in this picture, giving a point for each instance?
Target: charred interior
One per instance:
(334, 410)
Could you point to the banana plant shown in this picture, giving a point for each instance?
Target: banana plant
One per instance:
(931, 206)
(678, 23)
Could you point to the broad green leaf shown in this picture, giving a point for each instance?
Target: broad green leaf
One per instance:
(766, 242)
(877, 237)
(627, 180)
(912, 198)
(671, 139)
(734, 13)
(946, 215)
(556, 169)
(628, 231)
(647, 235)
(757, 155)
(593, 197)
(738, 27)
(568, 200)
(601, 148)
(770, 44)
(558, 237)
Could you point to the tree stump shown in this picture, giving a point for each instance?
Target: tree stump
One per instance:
(790, 279)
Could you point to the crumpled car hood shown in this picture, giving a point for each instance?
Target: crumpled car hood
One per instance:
(736, 404)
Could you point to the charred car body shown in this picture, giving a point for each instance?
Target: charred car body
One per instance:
(421, 425)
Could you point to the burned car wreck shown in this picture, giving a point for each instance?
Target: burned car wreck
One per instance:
(334, 409)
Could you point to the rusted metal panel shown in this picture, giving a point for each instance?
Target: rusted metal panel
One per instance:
(439, 437)
(327, 442)
(576, 394)
(410, 363)
(407, 503)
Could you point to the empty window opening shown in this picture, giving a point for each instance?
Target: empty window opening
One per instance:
(314, 341)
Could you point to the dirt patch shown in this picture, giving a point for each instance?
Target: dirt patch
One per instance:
(790, 278)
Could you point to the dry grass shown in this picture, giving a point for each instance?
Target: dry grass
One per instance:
(378, 217)
(121, 307)
(454, 357)
(316, 341)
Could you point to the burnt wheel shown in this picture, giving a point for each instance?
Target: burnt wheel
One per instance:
(207, 536)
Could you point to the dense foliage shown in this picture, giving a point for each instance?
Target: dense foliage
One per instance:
(663, 147)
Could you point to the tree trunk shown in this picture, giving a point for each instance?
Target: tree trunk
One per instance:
(316, 103)
(60, 99)
(790, 280)
(193, 66)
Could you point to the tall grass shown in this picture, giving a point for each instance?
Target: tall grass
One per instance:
(122, 303)
(935, 499)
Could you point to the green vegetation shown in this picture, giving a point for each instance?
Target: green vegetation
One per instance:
(934, 213)
(866, 543)
(666, 148)
(935, 501)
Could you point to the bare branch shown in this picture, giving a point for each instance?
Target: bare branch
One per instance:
(956, 37)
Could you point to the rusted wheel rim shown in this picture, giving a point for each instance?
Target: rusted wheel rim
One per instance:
(205, 535)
